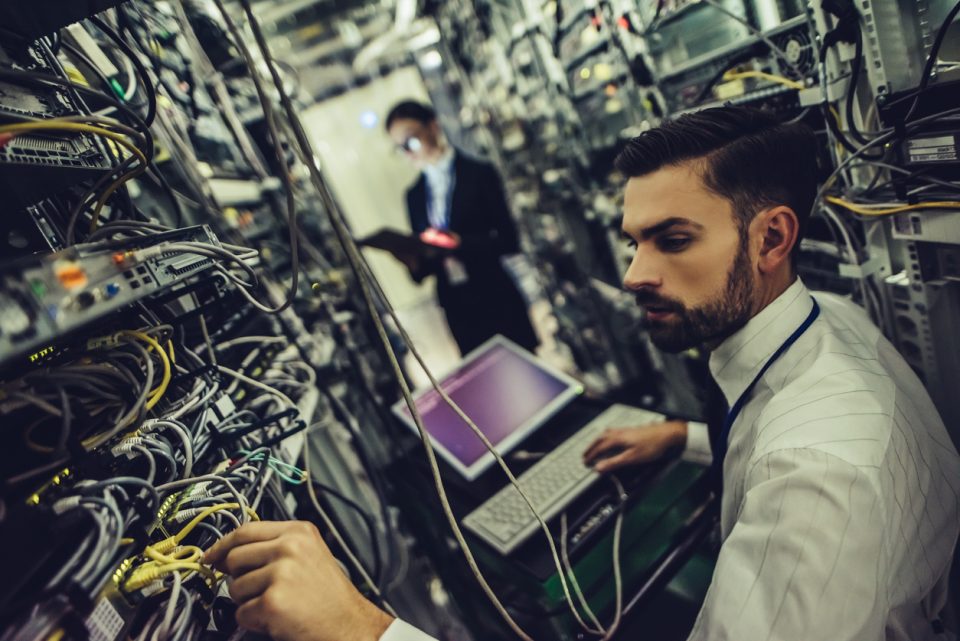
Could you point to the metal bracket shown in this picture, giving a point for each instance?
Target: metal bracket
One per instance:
(861, 270)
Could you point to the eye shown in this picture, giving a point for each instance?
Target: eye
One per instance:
(673, 243)
(631, 243)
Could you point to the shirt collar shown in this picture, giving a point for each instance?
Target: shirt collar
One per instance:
(738, 359)
(442, 166)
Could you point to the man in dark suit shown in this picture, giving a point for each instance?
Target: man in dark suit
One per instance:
(458, 206)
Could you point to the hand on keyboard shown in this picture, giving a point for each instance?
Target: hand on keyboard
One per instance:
(505, 520)
(618, 447)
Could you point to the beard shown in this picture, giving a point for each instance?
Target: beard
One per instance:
(709, 323)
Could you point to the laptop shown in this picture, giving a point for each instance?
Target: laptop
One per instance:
(509, 394)
(505, 390)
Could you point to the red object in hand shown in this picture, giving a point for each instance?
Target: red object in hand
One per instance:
(439, 238)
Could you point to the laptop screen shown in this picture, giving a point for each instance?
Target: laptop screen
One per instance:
(505, 390)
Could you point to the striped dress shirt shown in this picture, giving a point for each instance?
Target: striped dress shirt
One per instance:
(841, 487)
(840, 507)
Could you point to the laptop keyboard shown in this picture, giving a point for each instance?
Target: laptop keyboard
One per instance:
(552, 483)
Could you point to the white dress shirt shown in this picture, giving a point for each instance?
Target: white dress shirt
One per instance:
(440, 180)
(840, 506)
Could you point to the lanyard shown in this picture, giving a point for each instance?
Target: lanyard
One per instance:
(738, 406)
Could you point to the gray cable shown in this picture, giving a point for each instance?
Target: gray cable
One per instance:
(357, 263)
(757, 32)
(151, 462)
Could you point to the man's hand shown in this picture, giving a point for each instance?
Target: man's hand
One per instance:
(616, 448)
(412, 261)
(288, 585)
(442, 238)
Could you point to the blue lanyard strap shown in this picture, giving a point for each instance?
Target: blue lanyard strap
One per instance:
(738, 406)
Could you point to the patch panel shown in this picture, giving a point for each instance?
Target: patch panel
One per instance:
(44, 298)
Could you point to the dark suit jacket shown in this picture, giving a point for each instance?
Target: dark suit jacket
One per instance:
(488, 303)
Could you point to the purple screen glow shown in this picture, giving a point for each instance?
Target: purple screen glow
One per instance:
(499, 390)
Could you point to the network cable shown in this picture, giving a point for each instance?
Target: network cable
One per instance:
(281, 159)
(881, 139)
(356, 263)
(888, 210)
(781, 54)
(928, 67)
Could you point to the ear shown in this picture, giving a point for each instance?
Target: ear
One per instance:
(778, 230)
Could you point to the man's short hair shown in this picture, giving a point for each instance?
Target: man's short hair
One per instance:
(412, 110)
(744, 155)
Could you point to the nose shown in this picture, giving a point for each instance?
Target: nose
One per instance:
(642, 273)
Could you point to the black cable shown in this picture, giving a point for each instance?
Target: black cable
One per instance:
(834, 127)
(109, 150)
(376, 568)
(654, 21)
(832, 123)
(659, 11)
(138, 65)
(847, 29)
(87, 62)
(883, 138)
(932, 58)
(799, 117)
(340, 408)
(66, 420)
(86, 200)
(855, 68)
(558, 28)
(829, 225)
(873, 183)
(633, 68)
(168, 459)
(740, 58)
(56, 41)
(171, 195)
(60, 72)
(135, 121)
(125, 24)
(274, 136)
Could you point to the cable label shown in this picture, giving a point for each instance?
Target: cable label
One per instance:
(939, 149)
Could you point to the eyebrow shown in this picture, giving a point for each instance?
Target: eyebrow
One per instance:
(664, 225)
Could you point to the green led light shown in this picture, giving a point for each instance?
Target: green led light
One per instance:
(39, 288)
(117, 87)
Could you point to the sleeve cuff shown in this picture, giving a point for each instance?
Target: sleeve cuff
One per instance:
(403, 631)
(697, 449)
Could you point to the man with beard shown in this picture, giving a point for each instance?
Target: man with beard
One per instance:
(839, 510)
